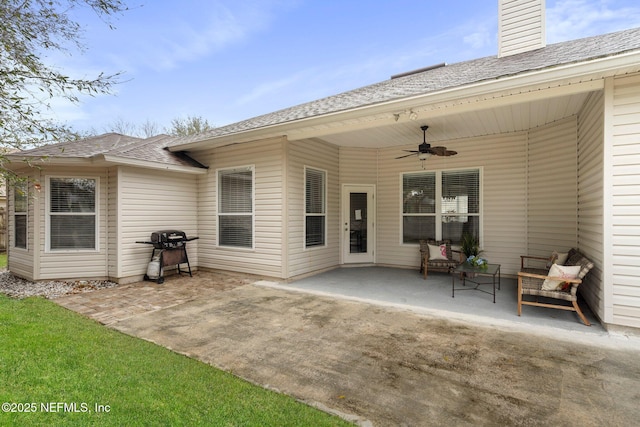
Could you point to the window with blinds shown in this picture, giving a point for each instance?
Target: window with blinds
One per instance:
(235, 207)
(440, 205)
(20, 208)
(315, 207)
(418, 206)
(460, 204)
(72, 213)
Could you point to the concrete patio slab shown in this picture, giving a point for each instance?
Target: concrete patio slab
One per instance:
(385, 364)
(404, 288)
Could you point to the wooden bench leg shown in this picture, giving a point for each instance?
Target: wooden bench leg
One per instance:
(519, 296)
(423, 266)
(577, 308)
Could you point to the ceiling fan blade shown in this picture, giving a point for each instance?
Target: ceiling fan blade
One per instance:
(425, 149)
(438, 151)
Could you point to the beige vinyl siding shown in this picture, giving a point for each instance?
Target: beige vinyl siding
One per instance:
(150, 200)
(552, 188)
(113, 226)
(520, 26)
(267, 159)
(502, 161)
(322, 156)
(358, 166)
(590, 198)
(624, 163)
(74, 264)
(504, 201)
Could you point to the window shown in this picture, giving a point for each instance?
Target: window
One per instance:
(315, 207)
(440, 205)
(235, 207)
(72, 214)
(460, 204)
(418, 206)
(20, 207)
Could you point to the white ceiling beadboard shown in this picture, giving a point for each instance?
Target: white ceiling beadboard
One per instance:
(482, 122)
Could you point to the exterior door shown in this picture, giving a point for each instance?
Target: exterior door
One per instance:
(358, 224)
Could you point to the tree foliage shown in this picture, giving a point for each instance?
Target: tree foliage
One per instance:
(180, 126)
(29, 29)
(190, 125)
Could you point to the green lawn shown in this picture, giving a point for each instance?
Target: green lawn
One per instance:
(60, 365)
(3, 260)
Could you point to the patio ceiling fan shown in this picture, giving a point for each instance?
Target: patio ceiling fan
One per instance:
(425, 149)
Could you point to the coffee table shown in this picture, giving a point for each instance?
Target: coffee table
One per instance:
(468, 273)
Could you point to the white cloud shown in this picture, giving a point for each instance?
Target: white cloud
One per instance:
(461, 42)
(184, 43)
(479, 39)
(64, 110)
(271, 88)
(573, 19)
(173, 39)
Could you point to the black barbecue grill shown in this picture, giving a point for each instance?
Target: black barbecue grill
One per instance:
(169, 249)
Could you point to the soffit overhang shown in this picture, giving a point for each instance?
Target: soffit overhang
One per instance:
(571, 82)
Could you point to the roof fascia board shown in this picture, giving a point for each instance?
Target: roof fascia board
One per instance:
(229, 140)
(568, 73)
(39, 161)
(97, 160)
(125, 161)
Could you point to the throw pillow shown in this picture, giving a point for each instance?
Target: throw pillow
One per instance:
(562, 271)
(437, 252)
(560, 258)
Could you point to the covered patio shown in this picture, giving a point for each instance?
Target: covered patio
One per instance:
(405, 288)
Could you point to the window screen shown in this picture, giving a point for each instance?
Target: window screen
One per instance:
(235, 209)
(315, 207)
(440, 205)
(418, 206)
(20, 207)
(460, 204)
(72, 213)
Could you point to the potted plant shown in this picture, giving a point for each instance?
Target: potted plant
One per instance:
(469, 245)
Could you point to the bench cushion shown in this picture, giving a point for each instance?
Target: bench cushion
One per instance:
(564, 271)
(424, 249)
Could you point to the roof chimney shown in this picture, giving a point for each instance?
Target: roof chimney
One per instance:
(521, 26)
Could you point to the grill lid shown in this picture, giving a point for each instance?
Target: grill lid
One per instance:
(168, 239)
(168, 236)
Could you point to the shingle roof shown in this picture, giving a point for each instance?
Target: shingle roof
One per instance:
(116, 146)
(153, 150)
(84, 148)
(450, 76)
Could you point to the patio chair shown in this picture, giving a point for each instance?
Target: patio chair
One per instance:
(550, 282)
(437, 256)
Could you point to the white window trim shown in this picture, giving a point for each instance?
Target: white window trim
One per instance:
(304, 209)
(438, 211)
(253, 207)
(25, 214)
(47, 215)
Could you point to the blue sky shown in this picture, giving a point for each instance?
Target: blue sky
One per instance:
(229, 60)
